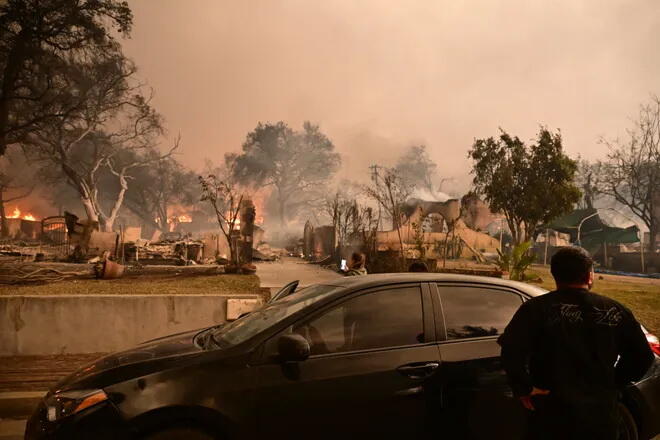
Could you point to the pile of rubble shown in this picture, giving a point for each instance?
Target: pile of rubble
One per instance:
(30, 250)
(264, 252)
(171, 249)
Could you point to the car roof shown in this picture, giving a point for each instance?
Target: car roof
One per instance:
(367, 281)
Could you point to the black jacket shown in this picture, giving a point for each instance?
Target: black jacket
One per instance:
(568, 341)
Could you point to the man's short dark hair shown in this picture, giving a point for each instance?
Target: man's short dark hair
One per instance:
(571, 265)
(418, 266)
(358, 260)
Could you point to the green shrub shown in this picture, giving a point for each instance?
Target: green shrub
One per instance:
(517, 261)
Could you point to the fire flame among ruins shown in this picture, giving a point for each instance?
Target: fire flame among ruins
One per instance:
(18, 214)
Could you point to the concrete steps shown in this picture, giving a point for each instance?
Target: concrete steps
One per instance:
(30, 373)
(19, 404)
(24, 380)
(12, 429)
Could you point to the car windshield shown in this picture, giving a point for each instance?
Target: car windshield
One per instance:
(248, 326)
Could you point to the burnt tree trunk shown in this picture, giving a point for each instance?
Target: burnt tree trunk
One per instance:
(446, 245)
(17, 55)
(248, 214)
(4, 227)
(282, 207)
(92, 216)
(653, 236)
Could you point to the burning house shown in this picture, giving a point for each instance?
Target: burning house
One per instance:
(195, 236)
(21, 225)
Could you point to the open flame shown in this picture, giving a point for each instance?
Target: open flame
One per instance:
(18, 214)
(183, 218)
(175, 219)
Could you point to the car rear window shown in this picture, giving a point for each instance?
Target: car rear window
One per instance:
(472, 312)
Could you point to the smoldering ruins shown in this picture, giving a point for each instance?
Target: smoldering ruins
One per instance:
(109, 166)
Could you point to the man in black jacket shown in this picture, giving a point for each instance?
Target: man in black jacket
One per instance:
(568, 352)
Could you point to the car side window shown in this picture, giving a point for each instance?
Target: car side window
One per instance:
(386, 318)
(472, 312)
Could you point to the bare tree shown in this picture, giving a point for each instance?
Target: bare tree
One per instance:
(113, 128)
(390, 191)
(588, 181)
(338, 208)
(353, 221)
(345, 213)
(157, 188)
(367, 222)
(631, 173)
(224, 196)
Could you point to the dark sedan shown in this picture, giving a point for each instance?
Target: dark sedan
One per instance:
(391, 355)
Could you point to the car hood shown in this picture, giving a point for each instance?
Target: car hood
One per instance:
(149, 356)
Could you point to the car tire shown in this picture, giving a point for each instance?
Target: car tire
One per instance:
(180, 434)
(627, 424)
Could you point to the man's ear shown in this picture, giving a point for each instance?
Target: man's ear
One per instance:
(590, 280)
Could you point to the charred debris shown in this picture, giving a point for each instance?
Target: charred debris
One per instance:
(61, 247)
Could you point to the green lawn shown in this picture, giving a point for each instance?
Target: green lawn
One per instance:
(151, 285)
(641, 295)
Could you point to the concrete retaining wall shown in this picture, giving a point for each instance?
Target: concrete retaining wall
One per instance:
(39, 325)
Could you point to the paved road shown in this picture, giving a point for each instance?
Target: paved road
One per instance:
(279, 273)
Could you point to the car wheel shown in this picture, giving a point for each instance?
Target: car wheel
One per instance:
(180, 434)
(627, 425)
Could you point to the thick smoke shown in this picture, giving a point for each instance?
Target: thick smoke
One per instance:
(438, 73)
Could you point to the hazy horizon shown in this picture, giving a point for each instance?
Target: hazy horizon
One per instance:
(380, 75)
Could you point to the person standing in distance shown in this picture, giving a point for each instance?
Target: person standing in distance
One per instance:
(357, 265)
(568, 353)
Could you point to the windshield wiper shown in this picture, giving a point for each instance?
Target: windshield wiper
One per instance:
(205, 339)
(285, 291)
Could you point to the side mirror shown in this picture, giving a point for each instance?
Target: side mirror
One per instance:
(292, 348)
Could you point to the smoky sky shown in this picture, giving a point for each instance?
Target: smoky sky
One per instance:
(381, 75)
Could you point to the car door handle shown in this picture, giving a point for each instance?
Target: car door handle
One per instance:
(418, 370)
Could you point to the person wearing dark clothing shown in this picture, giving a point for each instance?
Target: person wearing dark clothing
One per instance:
(356, 266)
(568, 353)
(418, 266)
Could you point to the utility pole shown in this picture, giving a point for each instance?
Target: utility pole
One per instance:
(375, 177)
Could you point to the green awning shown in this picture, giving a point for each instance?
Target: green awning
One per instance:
(593, 232)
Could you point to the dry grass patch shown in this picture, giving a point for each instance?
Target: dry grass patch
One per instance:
(144, 285)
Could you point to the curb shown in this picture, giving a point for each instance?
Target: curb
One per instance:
(16, 404)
